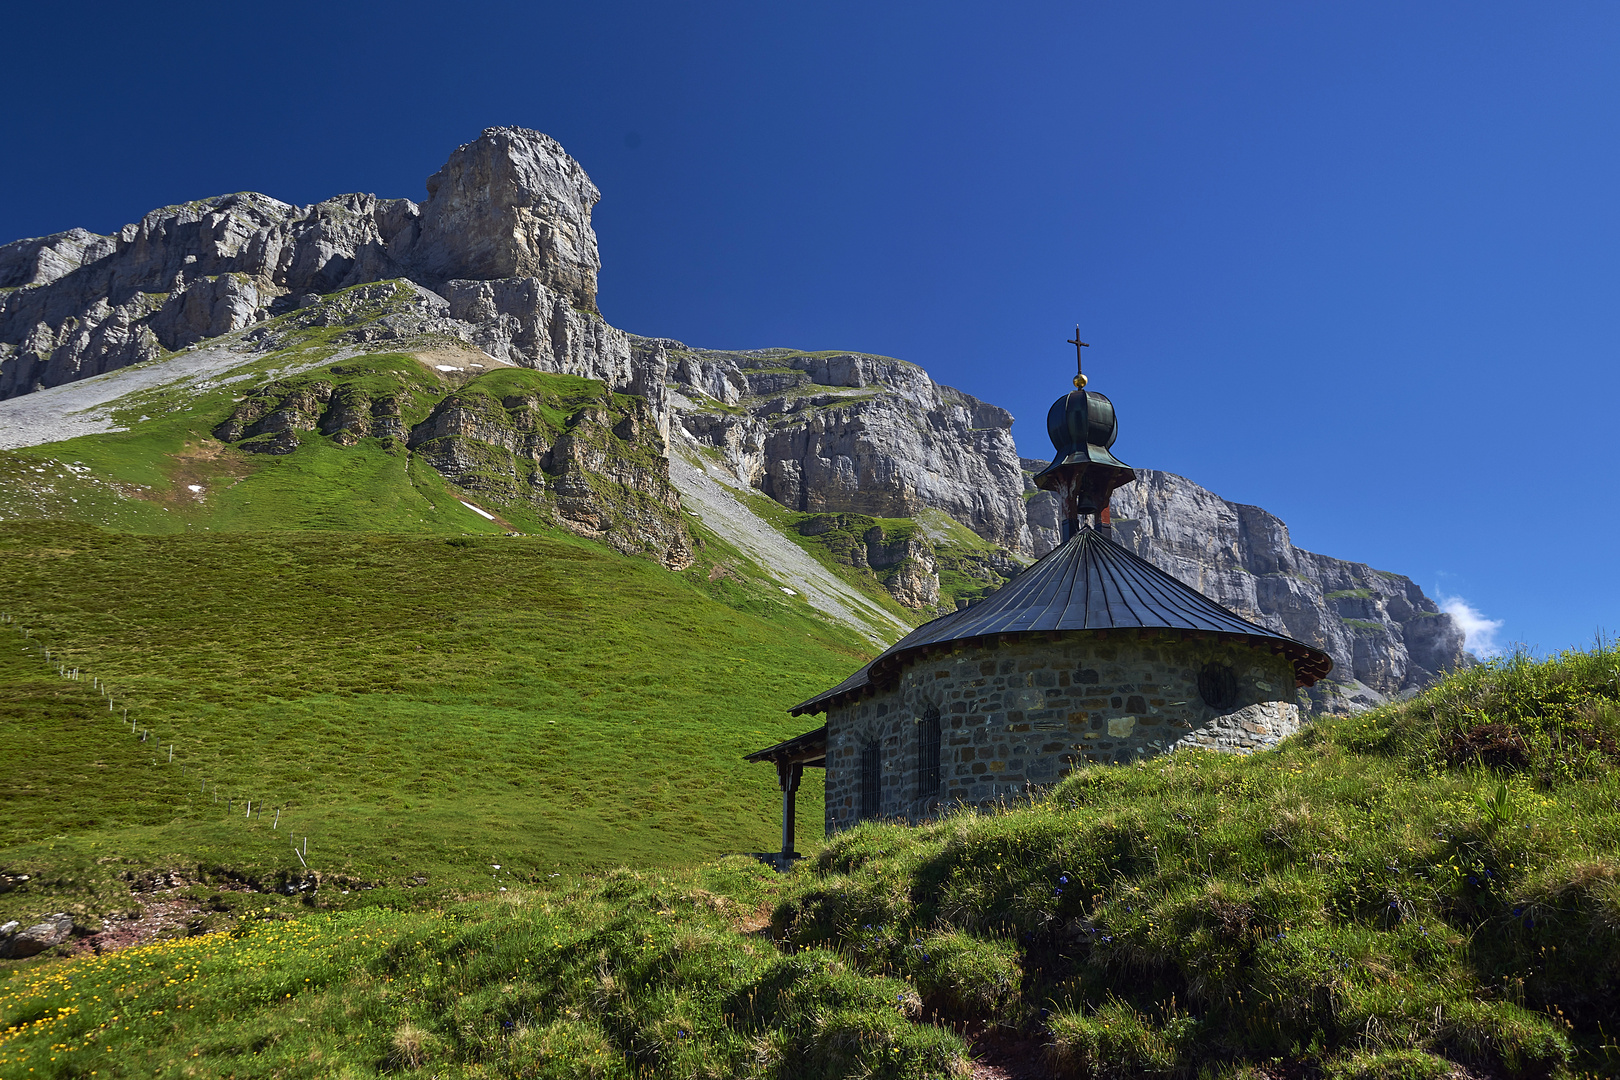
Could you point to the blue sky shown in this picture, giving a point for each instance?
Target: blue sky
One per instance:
(1355, 263)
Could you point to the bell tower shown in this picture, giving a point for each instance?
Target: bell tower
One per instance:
(1083, 473)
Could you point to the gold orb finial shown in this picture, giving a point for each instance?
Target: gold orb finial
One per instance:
(1079, 365)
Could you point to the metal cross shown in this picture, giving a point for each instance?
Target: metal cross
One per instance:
(1079, 366)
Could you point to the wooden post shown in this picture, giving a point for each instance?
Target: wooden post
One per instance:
(277, 819)
(788, 776)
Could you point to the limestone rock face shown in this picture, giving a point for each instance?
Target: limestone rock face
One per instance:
(42, 260)
(602, 471)
(1385, 636)
(512, 204)
(906, 563)
(524, 322)
(504, 236)
(605, 475)
(850, 433)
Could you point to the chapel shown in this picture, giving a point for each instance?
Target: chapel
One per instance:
(1091, 655)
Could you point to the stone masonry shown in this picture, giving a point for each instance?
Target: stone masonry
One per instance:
(1024, 713)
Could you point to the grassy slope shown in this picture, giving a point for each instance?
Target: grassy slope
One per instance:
(168, 474)
(299, 628)
(1431, 886)
(417, 705)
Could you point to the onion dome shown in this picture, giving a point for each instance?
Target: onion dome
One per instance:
(1084, 472)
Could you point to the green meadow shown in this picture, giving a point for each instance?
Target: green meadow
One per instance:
(419, 707)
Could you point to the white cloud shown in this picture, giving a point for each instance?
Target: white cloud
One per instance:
(1479, 632)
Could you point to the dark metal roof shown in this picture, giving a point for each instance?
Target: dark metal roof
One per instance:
(1088, 583)
(807, 749)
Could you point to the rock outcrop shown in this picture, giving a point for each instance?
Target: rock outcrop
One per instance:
(511, 204)
(584, 457)
(603, 472)
(904, 563)
(504, 237)
(1386, 638)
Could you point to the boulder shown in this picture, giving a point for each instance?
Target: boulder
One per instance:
(17, 942)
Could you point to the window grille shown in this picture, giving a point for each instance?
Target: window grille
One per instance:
(928, 754)
(871, 780)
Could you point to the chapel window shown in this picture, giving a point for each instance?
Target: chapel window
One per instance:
(1218, 686)
(871, 780)
(928, 754)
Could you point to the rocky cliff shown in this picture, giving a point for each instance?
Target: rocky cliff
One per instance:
(503, 238)
(851, 433)
(849, 438)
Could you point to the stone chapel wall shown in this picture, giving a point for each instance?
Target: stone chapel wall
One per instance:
(1026, 712)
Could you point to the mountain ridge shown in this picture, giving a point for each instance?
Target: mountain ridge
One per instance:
(499, 261)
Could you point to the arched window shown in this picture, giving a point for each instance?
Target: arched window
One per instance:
(871, 780)
(1218, 686)
(928, 754)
